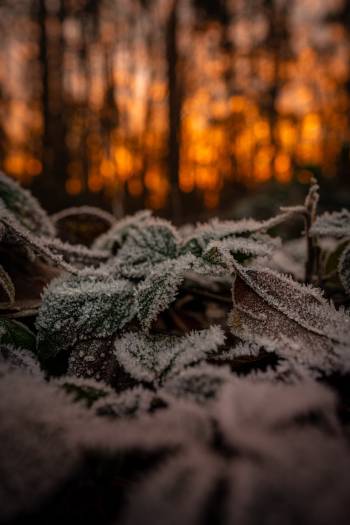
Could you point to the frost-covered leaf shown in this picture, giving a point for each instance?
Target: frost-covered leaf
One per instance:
(92, 359)
(344, 269)
(24, 207)
(160, 287)
(17, 334)
(13, 358)
(7, 285)
(336, 224)
(201, 383)
(114, 239)
(83, 390)
(149, 244)
(155, 358)
(17, 235)
(77, 255)
(130, 403)
(81, 308)
(198, 240)
(221, 252)
(82, 225)
(282, 315)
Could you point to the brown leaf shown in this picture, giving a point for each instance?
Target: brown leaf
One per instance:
(294, 320)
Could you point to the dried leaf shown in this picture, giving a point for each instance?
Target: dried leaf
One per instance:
(82, 225)
(282, 315)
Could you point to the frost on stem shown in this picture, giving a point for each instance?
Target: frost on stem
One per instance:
(153, 359)
(92, 359)
(294, 320)
(80, 308)
(24, 207)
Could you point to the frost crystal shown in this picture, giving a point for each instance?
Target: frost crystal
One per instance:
(336, 224)
(152, 243)
(130, 403)
(160, 287)
(296, 321)
(200, 383)
(155, 358)
(80, 308)
(18, 358)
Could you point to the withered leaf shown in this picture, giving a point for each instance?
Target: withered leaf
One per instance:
(294, 320)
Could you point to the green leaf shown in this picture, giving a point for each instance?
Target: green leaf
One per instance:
(16, 334)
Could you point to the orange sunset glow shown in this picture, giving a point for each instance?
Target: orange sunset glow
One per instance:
(90, 93)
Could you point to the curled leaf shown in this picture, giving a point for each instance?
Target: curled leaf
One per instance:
(282, 315)
(24, 207)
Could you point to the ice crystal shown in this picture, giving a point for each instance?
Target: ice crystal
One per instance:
(336, 224)
(76, 254)
(296, 321)
(160, 287)
(24, 207)
(198, 240)
(155, 358)
(80, 308)
(92, 359)
(150, 244)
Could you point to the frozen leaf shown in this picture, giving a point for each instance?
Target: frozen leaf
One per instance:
(82, 225)
(14, 357)
(221, 252)
(201, 383)
(24, 207)
(17, 235)
(280, 314)
(154, 358)
(146, 245)
(160, 288)
(197, 242)
(130, 403)
(344, 269)
(77, 255)
(17, 334)
(114, 239)
(87, 391)
(336, 224)
(92, 359)
(82, 308)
